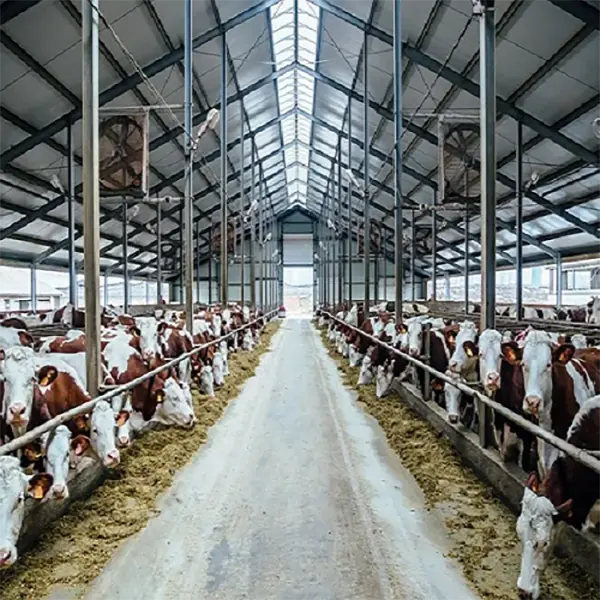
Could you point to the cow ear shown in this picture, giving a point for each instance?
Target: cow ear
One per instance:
(2, 354)
(80, 444)
(437, 385)
(512, 353)
(159, 396)
(532, 482)
(135, 331)
(82, 422)
(564, 511)
(33, 452)
(26, 339)
(39, 485)
(161, 327)
(470, 348)
(564, 353)
(47, 375)
(121, 418)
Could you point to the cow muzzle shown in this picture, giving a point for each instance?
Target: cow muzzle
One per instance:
(124, 441)
(523, 595)
(454, 367)
(112, 459)
(414, 352)
(492, 382)
(531, 405)
(16, 414)
(7, 557)
(453, 419)
(60, 491)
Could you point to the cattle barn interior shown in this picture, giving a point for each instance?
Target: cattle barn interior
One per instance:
(367, 365)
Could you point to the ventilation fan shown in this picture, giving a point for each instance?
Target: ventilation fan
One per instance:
(461, 153)
(123, 154)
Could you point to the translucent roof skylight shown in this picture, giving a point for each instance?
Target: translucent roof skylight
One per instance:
(295, 90)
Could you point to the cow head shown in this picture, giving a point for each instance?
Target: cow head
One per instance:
(15, 486)
(18, 370)
(415, 336)
(218, 364)
(537, 372)
(57, 444)
(490, 360)
(149, 330)
(365, 376)
(207, 382)
(354, 356)
(452, 399)
(593, 310)
(535, 528)
(579, 341)
(463, 354)
(175, 408)
(247, 340)
(102, 434)
(383, 379)
(122, 410)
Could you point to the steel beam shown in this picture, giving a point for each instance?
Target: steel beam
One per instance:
(129, 83)
(91, 193)
(580, 10)
(10, 9)
(398, 170)
(472, 88)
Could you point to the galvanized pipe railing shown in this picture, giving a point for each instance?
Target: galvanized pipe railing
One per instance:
(577, 454)
(87, 407)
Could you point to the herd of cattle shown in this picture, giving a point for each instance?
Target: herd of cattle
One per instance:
(40, 379)
(547, 378)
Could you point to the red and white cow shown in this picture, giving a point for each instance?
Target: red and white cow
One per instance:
(568, 492)
(15, 487)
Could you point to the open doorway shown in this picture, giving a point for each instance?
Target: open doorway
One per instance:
(298, 290)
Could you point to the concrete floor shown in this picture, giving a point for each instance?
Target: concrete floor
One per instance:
(295, 497)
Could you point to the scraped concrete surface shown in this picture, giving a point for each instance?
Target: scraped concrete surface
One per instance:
(295, 497)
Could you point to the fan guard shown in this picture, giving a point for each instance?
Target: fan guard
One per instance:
(123, 151)
(462, 179)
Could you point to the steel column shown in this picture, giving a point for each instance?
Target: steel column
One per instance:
(197, 263)
(33, 274)
(413, 249)
(189, 157)
(73, 295)
(253, 236)
(349, 204)
(242, 202)
(487, 62)
(106, 273)
(211, 258)
(180, 298)
(559, 281)
(398, 166)
(158, 254)
(91, 192)
(487, 84)
(519, 219)
(366, 144)
(261, 242)
(466, 194)
(385, 276)
(125, 242)
(224, 215)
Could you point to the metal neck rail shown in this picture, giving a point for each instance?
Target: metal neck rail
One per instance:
(87, 407)
(577, 454)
